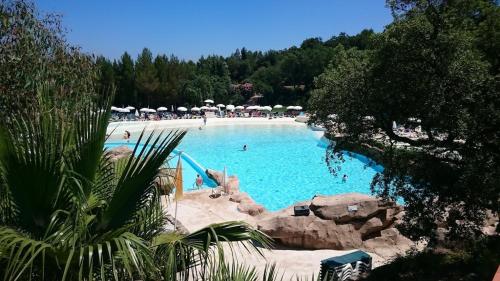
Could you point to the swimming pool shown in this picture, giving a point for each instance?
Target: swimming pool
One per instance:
(283, 164)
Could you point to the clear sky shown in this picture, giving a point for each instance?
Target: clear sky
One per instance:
(189, 28)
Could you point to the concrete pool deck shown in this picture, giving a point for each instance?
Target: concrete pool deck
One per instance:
(197, 210)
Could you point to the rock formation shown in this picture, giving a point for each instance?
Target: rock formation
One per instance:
(246, 204)
(119, 152)
(340, 222)
(232, 184)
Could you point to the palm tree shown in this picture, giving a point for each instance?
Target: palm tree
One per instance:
(68, 213)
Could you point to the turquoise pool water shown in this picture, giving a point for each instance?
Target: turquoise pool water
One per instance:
(283, 164)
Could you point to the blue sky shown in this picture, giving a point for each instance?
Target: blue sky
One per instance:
(192, 28)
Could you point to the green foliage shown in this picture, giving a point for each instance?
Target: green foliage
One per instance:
(428, 69)
(284, 76)
(478, 261)
(33, 50)
(77, 216)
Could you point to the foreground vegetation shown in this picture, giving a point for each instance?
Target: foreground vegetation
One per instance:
(68, 213)
(476, 261)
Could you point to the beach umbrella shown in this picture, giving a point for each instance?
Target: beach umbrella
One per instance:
(204, 108)
(290, 107)
(195, 109)
(209, 101)
(253, 107)
(298, 107)
(239, 107)
(144, 109)
(267, 108)
(151, 110)
(230, 107)
(278, 106)
(130, 107)
(162, 108)
(182, 109)
(123, 110)
(221, 105)
(114, 108)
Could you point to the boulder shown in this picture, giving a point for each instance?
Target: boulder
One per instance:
(336, 222)
(232, 185)
(390, 243)
(232, 182)
(372, 225)
(240, 197)
(250, 208)
(311, 232)
(337, 207)
(216, 176)
(119, 152)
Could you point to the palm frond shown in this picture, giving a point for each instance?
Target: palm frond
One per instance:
(136, 182)
(179, 255)
(89, 136)
(32, 167)
(21, 253)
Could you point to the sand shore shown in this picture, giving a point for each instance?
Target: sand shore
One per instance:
(116, 129)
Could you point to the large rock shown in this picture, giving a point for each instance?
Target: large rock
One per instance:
(372, 225)
(119, 152)
(216, 176)
(390, 243)
(232, 184)
(250, 208)
(240, 197)
(336, 222)
(311, 232)
(337, 207)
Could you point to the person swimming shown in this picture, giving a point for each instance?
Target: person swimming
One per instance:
(245, 147)
(344, 178)
(126, 136)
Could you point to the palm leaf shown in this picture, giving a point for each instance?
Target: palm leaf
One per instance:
(136, 182)
(179, 255)
(89, 137)
(35, 147)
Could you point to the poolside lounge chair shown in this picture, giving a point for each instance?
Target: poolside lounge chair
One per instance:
(346, 267)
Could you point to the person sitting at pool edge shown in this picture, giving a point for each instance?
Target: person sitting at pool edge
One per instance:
(199, 181)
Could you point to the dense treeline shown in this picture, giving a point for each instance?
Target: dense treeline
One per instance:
(271, 77)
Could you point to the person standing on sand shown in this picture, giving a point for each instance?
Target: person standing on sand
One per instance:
(205, 119)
